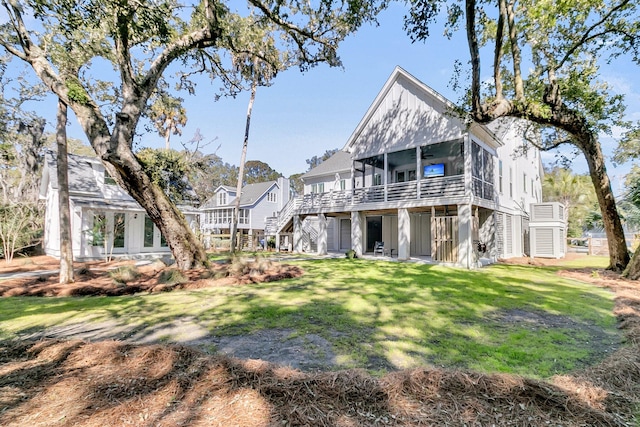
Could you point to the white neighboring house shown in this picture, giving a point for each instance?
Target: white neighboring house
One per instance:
(104, 218)
(416, 177)
(258, 202)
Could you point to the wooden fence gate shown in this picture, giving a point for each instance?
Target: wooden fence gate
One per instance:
(444, 238)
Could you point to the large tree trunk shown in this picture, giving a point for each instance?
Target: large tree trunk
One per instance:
(618, 253)
(243, 158)
(184, 245)
(114, 148)
(118, 158)
(66, 250)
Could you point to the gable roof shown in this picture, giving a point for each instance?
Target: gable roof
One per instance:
(251, 193)
(405, 114)
(340, 161)
(227, 188)
(81, 174)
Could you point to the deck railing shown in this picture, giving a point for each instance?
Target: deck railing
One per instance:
(448, 186)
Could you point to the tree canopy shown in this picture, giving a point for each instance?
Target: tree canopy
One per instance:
(68, 44)
(575, 192)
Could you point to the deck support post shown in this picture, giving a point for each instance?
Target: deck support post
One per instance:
(465, 236)
(322, 234)
(297, 234)
(357, 232)
(404, 234)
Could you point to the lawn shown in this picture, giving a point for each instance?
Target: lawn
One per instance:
(376, 315)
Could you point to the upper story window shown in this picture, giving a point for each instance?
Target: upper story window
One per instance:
(511, 182)
(377, 180)
(243, 217)
(222, 198)
(500, 176)
(524, 182)
(482, 171)
(317, 188)
(272, 197)
(108, 179)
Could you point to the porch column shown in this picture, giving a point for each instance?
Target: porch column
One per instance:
(297, 234)
(404, 234)
(322, 234)
(385, 178)
(465, 236)
(357, 232)
(353, 179)
(468, 159)
(277, 242)
(418, 170)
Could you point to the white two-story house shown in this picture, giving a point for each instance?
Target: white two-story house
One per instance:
(258, 202)
(416, 177)
(105, 220)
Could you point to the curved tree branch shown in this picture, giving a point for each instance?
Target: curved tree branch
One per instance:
(474, 50)
(587, 36)
(497, 75)
(515, 53)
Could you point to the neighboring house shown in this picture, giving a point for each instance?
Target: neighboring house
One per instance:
(105, 220)
(257, 203)
(416, 177)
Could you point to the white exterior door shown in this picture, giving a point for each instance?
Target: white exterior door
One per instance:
(152, 239)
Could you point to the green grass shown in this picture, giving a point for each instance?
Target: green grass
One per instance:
(406, 315)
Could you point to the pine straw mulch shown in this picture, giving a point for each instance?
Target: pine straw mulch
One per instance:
(98, 278)
(110, 383)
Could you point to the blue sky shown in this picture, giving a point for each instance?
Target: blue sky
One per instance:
(302, 115)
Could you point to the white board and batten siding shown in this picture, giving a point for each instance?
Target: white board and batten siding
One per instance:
(548, 225)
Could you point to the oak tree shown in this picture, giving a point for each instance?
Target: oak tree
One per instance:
(141, 40)
(545, 57)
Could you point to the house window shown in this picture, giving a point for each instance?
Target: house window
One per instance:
(118, 229)
(148, 232)
(524, 182)
(343, 184)
(99, 230)
(272, 197)
(511, 182)
(243, 217)
(412, 175)
(222, 199)
(317, 188)
(482, 172)
(532, 192)
(400, 176)
(377, 180)
(108, 179)
(500, 176)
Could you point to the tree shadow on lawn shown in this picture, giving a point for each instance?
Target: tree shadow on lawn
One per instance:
(111, 383)
(378, 316)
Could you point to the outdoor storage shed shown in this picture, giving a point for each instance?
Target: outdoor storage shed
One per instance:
(547, 226)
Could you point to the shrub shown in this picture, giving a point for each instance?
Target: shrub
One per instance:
(271, 243)
(172, 277)
(351, 254)
(20, 228)
(124, 274)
